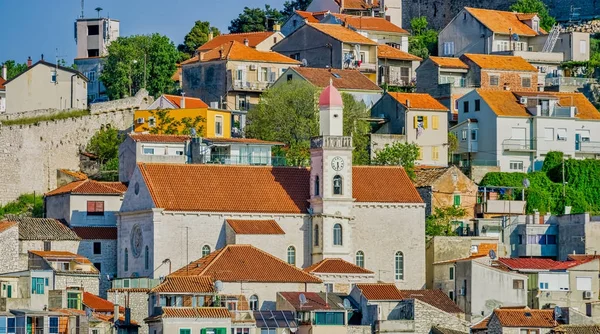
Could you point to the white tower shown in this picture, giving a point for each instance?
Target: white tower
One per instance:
(331, 181)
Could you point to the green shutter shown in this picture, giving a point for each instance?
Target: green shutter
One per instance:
(221, 330)
(203, 331)
(456, 200)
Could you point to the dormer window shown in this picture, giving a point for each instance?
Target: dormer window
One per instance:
(535, 25)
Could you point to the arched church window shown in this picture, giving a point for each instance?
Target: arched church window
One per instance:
(399, 266)
(360, 259)
(317, 185)
(337, 235)
(291, 255)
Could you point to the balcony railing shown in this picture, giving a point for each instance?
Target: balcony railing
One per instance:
(331, 142)
(569, 81)
(518, 145)
(367, 67)
(251, 85)
(250, 159)
(588, 147)
(454, 81)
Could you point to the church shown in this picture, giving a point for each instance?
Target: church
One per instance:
(371, 216)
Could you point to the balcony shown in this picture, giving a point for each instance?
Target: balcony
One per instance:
(570, 81)
(331, 142)
(453, 81)
(251, 86)
(592, 147)
(518, 145)
(501, 207)
(395, 326)
(248, 159)
(367, 67)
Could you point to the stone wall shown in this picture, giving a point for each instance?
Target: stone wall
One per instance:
(89, 283)
(107, 260)
(137, 300)
(141, 100)
(31, 154)
(427, 316)
(9, 248)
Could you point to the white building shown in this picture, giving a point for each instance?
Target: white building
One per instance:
(515, 130)
(3, 89)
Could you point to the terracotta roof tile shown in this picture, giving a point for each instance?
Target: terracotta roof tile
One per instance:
(177, 75)
(61, 255)
(96, 232)
(309, 16)
(582, 257)
(187, 284)
(87, 187)
(525, 318)
(120, 186)
(240, 52)
(342, 34)
(357, 4)
(314, 301)
(380, 291)
(141, 290)
(483, 324)
(243, 141)
(254, 38)
(370, 23)
(235, 263)
(74, 174)
(98, 304)
(502, 22)
(496, 62)
(483, 249)
(385, 51)
(426, 177)
(190, 102)
(5, 225)
(195, 312)
(448, 62)
(577, 329)
(268, 226)
(418, 101)
(150, 138)
(383, 185)
(2, 81)
(435, 298)
(442, 330)
(342, 79)
(585, 109)
(336, 266)
(537, 264)
(42, 229)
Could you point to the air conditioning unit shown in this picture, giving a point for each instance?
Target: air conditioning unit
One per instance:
(253, 67)
(523, 100)
(587, 295)
(140, 120)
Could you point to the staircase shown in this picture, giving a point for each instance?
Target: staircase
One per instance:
(552, 38)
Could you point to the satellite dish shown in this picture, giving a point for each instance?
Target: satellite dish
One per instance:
(557, 313)
(526, 183)
(88, 312)
(347, 304)
(304, 62)
(218, 286)
(515, 37)
(302, 298)
(193, 132)
(492, 254)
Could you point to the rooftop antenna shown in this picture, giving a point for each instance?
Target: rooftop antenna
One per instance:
(98, 9)
(82, 3)
(302, 299)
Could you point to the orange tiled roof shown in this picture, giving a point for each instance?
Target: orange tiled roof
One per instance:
(2, 81)
(314, 301)
(371, 23)
(341, 79)
(98, 304)
(383, 185)
(496, 62)
(141, 290)
(177, 75)
(150, 138)
(254, 38)
(235, 263)
(435, 298)
(120, 186)
(418, 101)
(267, 226)
(336, 266)
(538, 263)
(238, 51)
(309, 16)
(503, 103)
(525, 318)
(342, 34)
(190, 102)
(357, 4)
(88, 187)
(385, 51)
(380, 291)
(502, 22)
(483, 249)
(96, 232)
(5, 225)
(483, 324)
(195, 312)
(585, 109)
(60, 255)
(187, 284)
(74, 174)
(448, 62)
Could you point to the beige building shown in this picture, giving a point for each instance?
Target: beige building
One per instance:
(46, 86)
(94, 35)
(233, 75)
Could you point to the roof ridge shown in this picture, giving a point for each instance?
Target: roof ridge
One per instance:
(212, 261)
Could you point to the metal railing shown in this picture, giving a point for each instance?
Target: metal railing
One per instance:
(251, 85)
(331, 142)
(250, 159)
(454, 81)
(588, 147)
(569, 81)
(367, 67)
(518, 145)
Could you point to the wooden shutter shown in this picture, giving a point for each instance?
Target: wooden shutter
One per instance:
(100, 206)
(424, 122)
(435, 122)
(91, 206)
(258, 68)
(416, 122)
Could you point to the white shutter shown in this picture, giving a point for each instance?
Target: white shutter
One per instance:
(584, 283)
(258, 71)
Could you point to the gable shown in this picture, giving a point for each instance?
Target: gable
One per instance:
(140, 201)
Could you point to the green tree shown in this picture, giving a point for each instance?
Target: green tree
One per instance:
(355, 124)
(13, 69)
(398, 154)
(443, 221)
(140, 61)
(535, 6)
(29, 205)
(105, 144)
(197, 37)
(423, 40)
(255, 19)
(289, 7)
(165, 124)
(452, 143)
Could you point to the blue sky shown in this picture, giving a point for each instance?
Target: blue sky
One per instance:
(35, 27)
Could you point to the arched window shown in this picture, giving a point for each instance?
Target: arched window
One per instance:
(146, 258)
(317, 185)
(316, 235)
(337, 235)
(337, 185)
(254, 303)
(399, 266)
(291, 255)
(126, 260)
(360, 259)
(205, 250)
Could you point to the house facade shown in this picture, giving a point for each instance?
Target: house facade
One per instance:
(391, 10)
(339, 276)
(396, 67)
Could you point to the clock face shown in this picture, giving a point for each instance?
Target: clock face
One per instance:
(137, 240)
(337, 163)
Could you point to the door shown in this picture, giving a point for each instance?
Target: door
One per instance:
(29, 325)
(577, 142)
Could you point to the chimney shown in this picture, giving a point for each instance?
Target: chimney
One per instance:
(182, 104)
(506, 86)
(246, 42)
(276, 27)
(211, 35)
(4, 72)
(116, 313)
(42, 57)
(29, 62)
(407, 103)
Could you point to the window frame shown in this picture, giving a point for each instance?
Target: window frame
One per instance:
(291, 255)
(516, 163)
(218, 125)
(478, 105)
(399, 266)
(97, 208)
(465, 107)
(205, 248)
(254, 300)
(126, 260)
(338, 235)
(523, 81)
(98, 250)
(451, 273)
(316, 236)
(518, 284)
(496, 82)
(359, 259)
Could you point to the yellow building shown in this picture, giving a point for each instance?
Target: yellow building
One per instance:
(217, 123)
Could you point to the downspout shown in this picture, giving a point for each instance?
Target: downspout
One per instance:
(72, 89)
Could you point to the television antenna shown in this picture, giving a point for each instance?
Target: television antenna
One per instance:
(302, 299)
(82, 4)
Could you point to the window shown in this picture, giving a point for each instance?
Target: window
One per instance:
(451, 273)
(549, 134)
(98, 266)
(516, 165)
(337, 185)
(466, 106)
(435, 122)
(185, 331)
(240, 331)
(263, 74)
(526, 82)
(53, 324)
(360, 259)
(205, 250)
(329, 287)
(529, 331)
(451, 295)
(91, 75)
(290, 77)
(95, 208)
(93, 30)
(146, 258)
(53, 76)
(463, 136)
(126, 260)
(448, 48)
(583, 47)
(93, 53)
(477, 105)
(268, 331)
(518, 284)
(456, 200)
(37, 285)
(151, 122)
(584, 283)
(295, 23)
(219, 125)
(47, 246)
(337, 235)
(148, 151)
(399, 266)
(254, 302)
(535, 25)
(420, 156)
(474, 135)
(543, 286)
(74, 300)
(329, 318)
(316, 235)
(242, 102)
(317, 186)
(435, 153)
(561, 134)
(494, 80)
(97, 248)
(291, 255)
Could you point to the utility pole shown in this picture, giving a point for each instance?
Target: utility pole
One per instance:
(563, 177)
